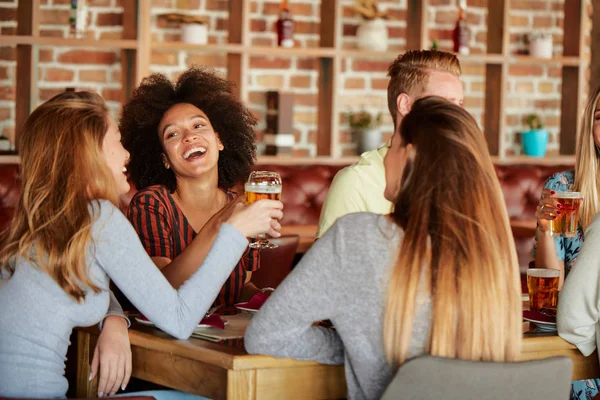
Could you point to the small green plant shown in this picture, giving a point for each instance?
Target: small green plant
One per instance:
(533, 121)
(364, 120)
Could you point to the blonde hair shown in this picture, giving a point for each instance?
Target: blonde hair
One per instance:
(409, 73)
(457, 243)
(62, 169)
(587, 169)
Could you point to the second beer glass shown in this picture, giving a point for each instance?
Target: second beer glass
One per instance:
(542, 285)
(565, 224)
(263, 185)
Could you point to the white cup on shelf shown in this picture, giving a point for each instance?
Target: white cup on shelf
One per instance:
(196, 33)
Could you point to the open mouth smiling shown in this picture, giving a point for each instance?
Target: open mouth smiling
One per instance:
(194, 153)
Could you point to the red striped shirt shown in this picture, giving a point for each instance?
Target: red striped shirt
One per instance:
(165, 232)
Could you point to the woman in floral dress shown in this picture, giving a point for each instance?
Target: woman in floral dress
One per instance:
(561, 253)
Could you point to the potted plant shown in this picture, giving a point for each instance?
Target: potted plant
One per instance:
(535, 140)
(5, 144)
(372, 33)
(194, 28)
(365, 130)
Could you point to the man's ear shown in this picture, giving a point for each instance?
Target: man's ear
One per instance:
(404, 104)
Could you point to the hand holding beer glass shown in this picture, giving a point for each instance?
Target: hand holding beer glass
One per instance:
(558, 213)
(262, 185)
(542, 285)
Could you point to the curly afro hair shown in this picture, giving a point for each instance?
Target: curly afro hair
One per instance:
(202, 88)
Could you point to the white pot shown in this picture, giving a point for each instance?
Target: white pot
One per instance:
(541, 47)
(372, 35)
(367, 139)
(194, 33)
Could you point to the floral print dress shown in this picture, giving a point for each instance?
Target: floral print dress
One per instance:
(567, 250)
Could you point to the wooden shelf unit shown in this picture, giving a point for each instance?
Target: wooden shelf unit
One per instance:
(69, 42)
(136, 46)
(347, 160)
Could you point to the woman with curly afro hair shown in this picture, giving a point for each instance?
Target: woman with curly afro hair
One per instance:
(190, 143)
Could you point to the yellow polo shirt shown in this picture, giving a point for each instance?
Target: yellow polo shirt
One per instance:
(358, 187)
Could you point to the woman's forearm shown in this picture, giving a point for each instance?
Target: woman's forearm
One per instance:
(183, 266)
(545, 255)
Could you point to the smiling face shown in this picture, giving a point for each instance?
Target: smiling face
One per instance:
(116, 156)
(190, 144)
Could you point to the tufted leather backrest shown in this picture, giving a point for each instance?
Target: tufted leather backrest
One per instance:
(305, 188)
(522, 187)
(10, 191)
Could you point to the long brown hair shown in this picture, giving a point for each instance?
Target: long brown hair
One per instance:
(587, 164)
(62, 169)
(457, 243)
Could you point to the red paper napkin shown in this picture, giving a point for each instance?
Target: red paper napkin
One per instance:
(255, 302)
(214, 321)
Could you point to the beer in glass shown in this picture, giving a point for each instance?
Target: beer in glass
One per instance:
(542, 285)
(263, 185)
(565, 224)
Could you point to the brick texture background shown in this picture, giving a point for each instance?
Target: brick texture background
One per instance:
(362, 84)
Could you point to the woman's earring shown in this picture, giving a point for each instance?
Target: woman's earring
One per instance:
(165, 162)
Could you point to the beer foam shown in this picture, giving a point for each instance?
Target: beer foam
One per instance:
(567, 195)
(543, 273)
(254, 188)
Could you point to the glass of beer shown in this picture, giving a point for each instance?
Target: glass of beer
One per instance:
(263, 185)
(542, 285)
(565, 224)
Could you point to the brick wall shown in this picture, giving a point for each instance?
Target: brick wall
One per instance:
(62, 67)
(362, 83)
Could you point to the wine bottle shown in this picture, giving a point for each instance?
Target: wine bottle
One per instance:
(285, 26)
(462, 33)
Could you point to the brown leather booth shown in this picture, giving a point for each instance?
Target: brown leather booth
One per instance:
(305, 188)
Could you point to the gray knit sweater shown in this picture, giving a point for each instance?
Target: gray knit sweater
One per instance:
(344, 278)
(37, 316)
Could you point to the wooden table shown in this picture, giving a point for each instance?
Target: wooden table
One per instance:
(213, 370)
(219, 371)
(536, 346)
(306, 232)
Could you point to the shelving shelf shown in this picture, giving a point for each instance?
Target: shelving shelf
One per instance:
(528, 60)
(347, 160)
(68, 42)
(137, 45)
(208, 48)
(254, 50)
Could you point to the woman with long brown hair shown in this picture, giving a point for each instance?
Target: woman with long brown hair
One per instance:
(438, 276)
(68, 239)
